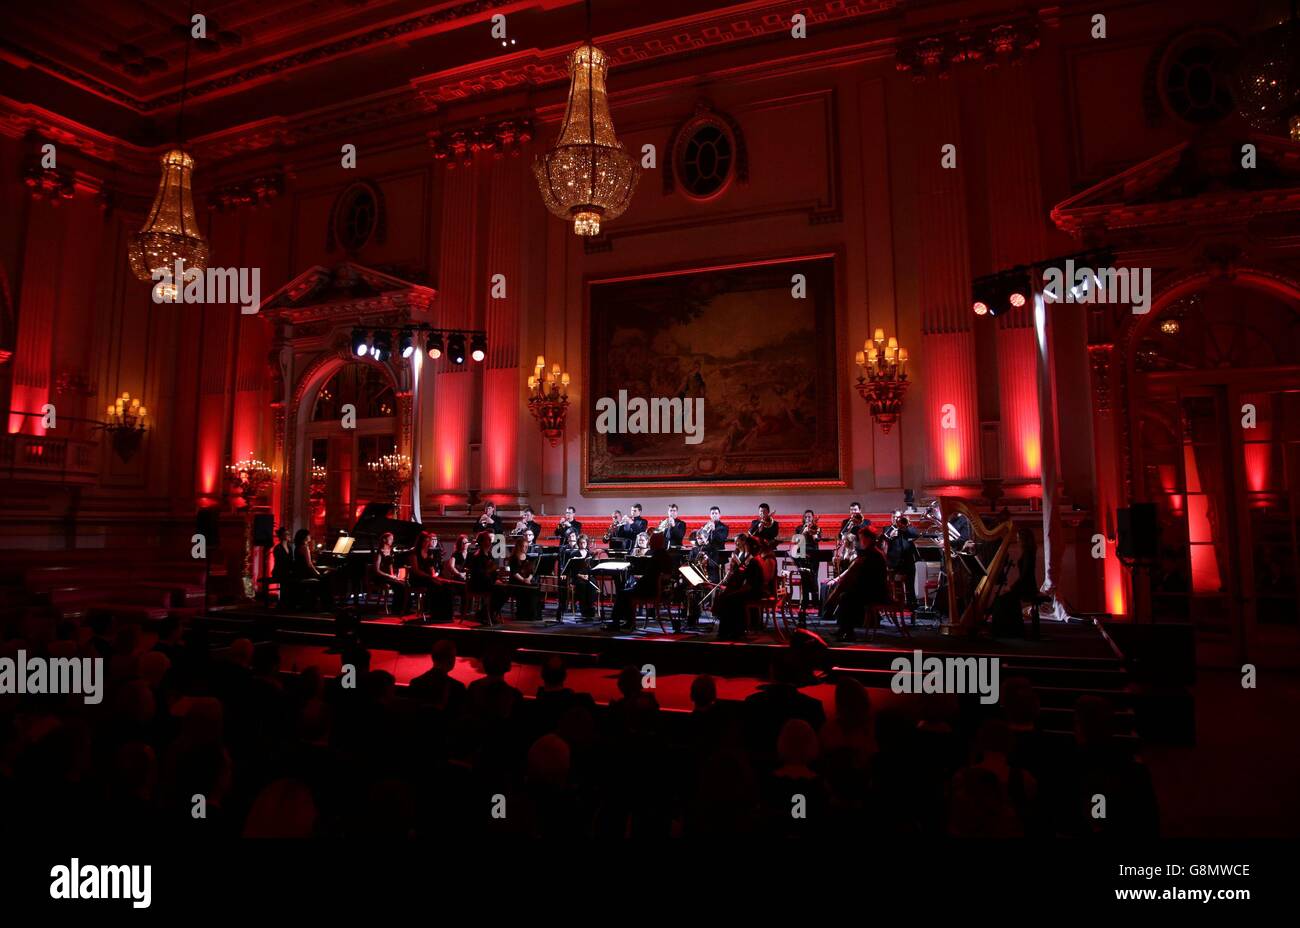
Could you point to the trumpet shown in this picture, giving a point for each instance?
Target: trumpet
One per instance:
(520, 527)
(666, 524)
(704, 533)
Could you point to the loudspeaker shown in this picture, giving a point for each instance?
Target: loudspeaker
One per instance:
(264, 529)
(205, 524)
(1139, 532)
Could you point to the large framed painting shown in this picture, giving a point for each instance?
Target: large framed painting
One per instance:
(714, 377)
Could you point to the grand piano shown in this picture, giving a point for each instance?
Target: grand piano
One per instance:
(349, 570)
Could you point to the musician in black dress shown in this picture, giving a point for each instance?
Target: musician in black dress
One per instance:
(490, 521)
(424, 574)
(765, 528)
(900, 554)
(520, 585)
(312, 583)
(282, 565)
(481, 574)
(642, 588)
(575, 560)
(568, 524)
(383, 573)
(742, 585)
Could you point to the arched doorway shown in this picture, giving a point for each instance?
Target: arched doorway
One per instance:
(337, 454)
(1215, 415)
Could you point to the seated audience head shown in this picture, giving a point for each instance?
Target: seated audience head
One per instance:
(497, 661)
(444, 654)
(548, 762)
(553, 672)
(629, 682)
(797, 745)
(241, 652)
(852, 704)
(704, 691)
(483, 542)
(1093, 721)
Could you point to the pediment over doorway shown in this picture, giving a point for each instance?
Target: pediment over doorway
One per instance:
(1200, 180)
(346, 289)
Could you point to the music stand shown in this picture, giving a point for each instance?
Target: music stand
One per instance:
(343, 545)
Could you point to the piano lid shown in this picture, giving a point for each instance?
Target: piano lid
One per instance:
(376, 519)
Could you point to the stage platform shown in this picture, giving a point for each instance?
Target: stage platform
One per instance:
(1068, 660)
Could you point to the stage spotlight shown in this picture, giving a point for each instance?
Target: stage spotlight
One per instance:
(1017, 299)
(406, 342)
(478, 347)
(456, 348)
(434, 344)
(383, 349)
(360, 345)
(981, 308)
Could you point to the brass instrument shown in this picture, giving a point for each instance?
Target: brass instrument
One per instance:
(614, 526)
(520, 527)
(982, 598)
(663, 526)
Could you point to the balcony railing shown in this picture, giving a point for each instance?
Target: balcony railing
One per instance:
(49, 459)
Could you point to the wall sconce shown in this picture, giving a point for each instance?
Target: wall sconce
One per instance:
(548, 399)
(125, 425)
(883, 381)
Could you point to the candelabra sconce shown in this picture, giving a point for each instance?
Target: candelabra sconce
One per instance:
(548, 399)
(883, 381)
(393, 471)
(125, 425)
(249, 478)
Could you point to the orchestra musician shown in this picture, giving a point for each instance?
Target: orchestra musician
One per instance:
(424, 574)
(641, 546)
(612, 536)
(900, 553)
(311, 582)
(383, 573)
(807, 540)
(481, 574)
(633, 525)
(860, 587)
(526, 524)
(281, 557)
(855, 521)
(576, 560)
(741, 585)
(673, 528)
(710, 540)
(643, 588)
(765, 528)
(568, 524)
(490, 521)
(520, 584)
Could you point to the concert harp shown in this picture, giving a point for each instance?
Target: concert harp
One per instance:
(981, 599)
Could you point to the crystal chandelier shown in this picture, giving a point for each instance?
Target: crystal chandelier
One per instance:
(548, 399)
(1268, 77)
(171, 232)
(587, 176)
(883, 380)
